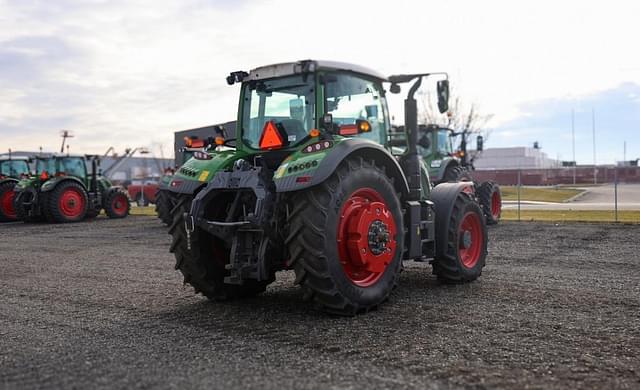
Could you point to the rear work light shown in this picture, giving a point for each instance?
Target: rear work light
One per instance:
(271, 137)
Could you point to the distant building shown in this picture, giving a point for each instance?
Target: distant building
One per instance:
(520, 157)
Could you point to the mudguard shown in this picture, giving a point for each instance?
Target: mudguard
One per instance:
(50, 184)
(8, 179)
(314, 171)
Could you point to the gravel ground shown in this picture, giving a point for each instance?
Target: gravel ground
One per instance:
(98, 305)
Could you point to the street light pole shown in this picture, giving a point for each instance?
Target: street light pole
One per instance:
(593, 126)
(573, 143)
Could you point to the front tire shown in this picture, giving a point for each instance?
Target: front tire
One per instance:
(462, 252)
(346, 238)
(116, 203)
(203, 265)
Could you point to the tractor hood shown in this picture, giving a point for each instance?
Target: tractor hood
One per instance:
(197, 171)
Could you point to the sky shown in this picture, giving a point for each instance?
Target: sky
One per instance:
(128, 73)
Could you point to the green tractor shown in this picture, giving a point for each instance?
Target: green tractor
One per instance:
(62, 191)
(446, 164)
(12, 169)
(312, 186)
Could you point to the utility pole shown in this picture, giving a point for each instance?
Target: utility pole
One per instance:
(573, 143)
(65, 134)
(624, 153)
(593, 126)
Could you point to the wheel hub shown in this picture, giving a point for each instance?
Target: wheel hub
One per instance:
(378, 237)
(466, 240)
(366, 232)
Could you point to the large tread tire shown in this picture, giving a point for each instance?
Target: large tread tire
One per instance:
(164, 205)
(200, 266)
(312, 239)
(490, 199)
(449, 264)
(54, 209)
(116, 203)
(7, 196)
(456, 173)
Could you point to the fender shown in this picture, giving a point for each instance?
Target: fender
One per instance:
(50, 184)
(359, 147)
(8, 180)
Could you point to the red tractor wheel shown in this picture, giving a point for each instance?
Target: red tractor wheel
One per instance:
(461, 241)
(116, 203)
(7, 211)
(346, 238)
(491, 201)
(67, 202)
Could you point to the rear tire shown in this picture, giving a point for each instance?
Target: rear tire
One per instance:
(164, 205)
(203, 265)
(67, 202)
(326, 226)
(7, 197)
(116, 203)
(491, 201)
(463, 256)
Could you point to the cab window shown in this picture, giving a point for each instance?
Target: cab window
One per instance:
(73, 167)
(349, 98)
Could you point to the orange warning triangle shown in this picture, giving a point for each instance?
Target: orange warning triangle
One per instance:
(270, 138)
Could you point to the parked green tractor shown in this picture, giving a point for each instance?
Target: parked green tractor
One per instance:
(12, 169)
(447, 164)
(312, 185)
(62, 191)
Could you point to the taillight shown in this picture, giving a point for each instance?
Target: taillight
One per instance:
(44, 175)
(271, 137)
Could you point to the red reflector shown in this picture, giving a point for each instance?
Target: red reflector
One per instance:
(44, 175)
(303, 179)
(348, 130)
(270, 138)
(197, 143)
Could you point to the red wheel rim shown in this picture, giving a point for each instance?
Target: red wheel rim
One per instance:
(71, 203)
(366, 237)
(6, 203)
(496, 204)
(119, 204)
(470, 237)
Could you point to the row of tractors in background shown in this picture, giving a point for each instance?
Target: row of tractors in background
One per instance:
(61, 190)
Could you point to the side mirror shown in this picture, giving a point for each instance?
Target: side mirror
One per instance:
(443, 96)
(327, 122)
(395, 88)
(479, 143)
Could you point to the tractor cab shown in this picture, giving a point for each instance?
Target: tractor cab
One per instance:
(14, 168)
(57, 166)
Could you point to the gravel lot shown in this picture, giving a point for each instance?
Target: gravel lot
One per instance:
(98, 305)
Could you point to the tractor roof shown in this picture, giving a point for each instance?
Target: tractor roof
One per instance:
(14, 158)
(290, 68)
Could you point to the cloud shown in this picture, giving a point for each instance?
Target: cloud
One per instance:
(129, 73)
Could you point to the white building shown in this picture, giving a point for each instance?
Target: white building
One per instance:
(520, 157)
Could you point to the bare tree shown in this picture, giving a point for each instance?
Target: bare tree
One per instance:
(461, 117)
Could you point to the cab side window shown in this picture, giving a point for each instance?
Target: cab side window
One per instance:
(349, 98)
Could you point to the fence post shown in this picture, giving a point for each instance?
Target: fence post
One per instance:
(519, 194)
(615, 192)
